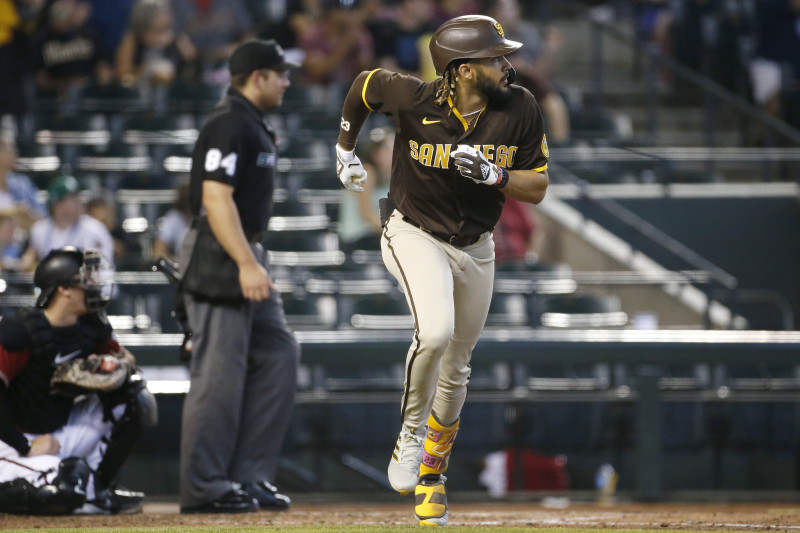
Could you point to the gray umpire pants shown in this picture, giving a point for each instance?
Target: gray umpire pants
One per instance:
(243, 380)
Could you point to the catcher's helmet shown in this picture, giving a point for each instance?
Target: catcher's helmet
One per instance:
(70, 267)
(468, 37)
(58, 269)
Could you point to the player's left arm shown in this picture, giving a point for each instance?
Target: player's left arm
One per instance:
(527, 185)
(529, 179)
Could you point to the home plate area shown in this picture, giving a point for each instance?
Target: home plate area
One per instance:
(544, 513)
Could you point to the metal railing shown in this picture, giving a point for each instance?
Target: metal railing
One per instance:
(714, 95)
(639, 234)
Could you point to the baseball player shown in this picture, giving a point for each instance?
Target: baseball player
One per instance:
(464, 141)
(60, 453)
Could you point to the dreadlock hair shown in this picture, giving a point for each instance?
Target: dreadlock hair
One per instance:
(448, 86)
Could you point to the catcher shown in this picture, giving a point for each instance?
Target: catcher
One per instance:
(71, 403)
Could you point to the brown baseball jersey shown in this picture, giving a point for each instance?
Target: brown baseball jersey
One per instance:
(425, 185)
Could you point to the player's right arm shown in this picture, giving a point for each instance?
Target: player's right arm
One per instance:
(368, 93)
(355, 112)
(15, 349)
(45, 444)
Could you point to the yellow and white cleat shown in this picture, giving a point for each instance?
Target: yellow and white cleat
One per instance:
(430, 505)
(438, 445)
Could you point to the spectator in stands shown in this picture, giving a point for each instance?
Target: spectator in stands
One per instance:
(776, 62)
(517, 236)
(17, 191)
(653, 22)
(173, 226)
(10, 245)
(214, 27)
(373, 10)
(359, 223)
(401, 42)
(110, 20)
(126, 248)
(533, 63)
(151, 54)
(66, 49)
(448, 9)
(67, 225)
(303, 15)
(337, 47)
(273, 20)
(11, 59)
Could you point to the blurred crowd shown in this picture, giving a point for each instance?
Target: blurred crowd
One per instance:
(750, 47)
(66, 45)
(62, 51)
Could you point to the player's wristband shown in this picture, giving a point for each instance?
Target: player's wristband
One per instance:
(345, 155)
(504, 177)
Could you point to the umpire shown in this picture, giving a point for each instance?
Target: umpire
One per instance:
(244, 357)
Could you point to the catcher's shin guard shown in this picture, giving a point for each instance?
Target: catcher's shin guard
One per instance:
(66, 493)
(438, 444)
(70, 487)
(140, 412)
(17, 496)
(430, 501)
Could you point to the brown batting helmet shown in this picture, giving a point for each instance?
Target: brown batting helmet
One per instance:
(468, 37)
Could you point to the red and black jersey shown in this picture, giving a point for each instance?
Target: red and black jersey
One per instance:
(425, 184)
(30, 350)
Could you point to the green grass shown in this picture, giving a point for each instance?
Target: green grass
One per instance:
(331, 529)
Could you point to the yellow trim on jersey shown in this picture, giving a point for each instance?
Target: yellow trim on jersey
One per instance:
(540, 169)
(364, 89)
(462, 119)
(458, 115)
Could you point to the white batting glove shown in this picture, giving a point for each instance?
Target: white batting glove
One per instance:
(350, 170)
(472, 164)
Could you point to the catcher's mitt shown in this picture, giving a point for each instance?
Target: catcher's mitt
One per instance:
(96, 373)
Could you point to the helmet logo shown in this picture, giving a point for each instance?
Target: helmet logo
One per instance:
(499, 29)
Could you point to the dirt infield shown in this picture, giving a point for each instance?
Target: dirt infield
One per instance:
(704, 516)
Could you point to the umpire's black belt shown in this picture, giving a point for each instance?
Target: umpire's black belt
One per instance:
(201, 223)
(459, 241)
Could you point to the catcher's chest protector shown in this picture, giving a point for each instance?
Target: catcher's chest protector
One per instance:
(42, 337)
(44, 350)
(35, 409)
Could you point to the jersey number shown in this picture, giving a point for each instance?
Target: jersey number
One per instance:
(214, 160)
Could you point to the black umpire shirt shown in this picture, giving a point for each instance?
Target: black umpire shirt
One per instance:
(236, 146)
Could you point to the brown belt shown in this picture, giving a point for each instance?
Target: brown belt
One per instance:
(459, 241)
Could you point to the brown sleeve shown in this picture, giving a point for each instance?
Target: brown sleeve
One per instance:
(533, 152)
(354, 112)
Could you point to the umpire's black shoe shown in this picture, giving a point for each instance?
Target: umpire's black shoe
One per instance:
(233, 501)
(113, 500)
(267, 495)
